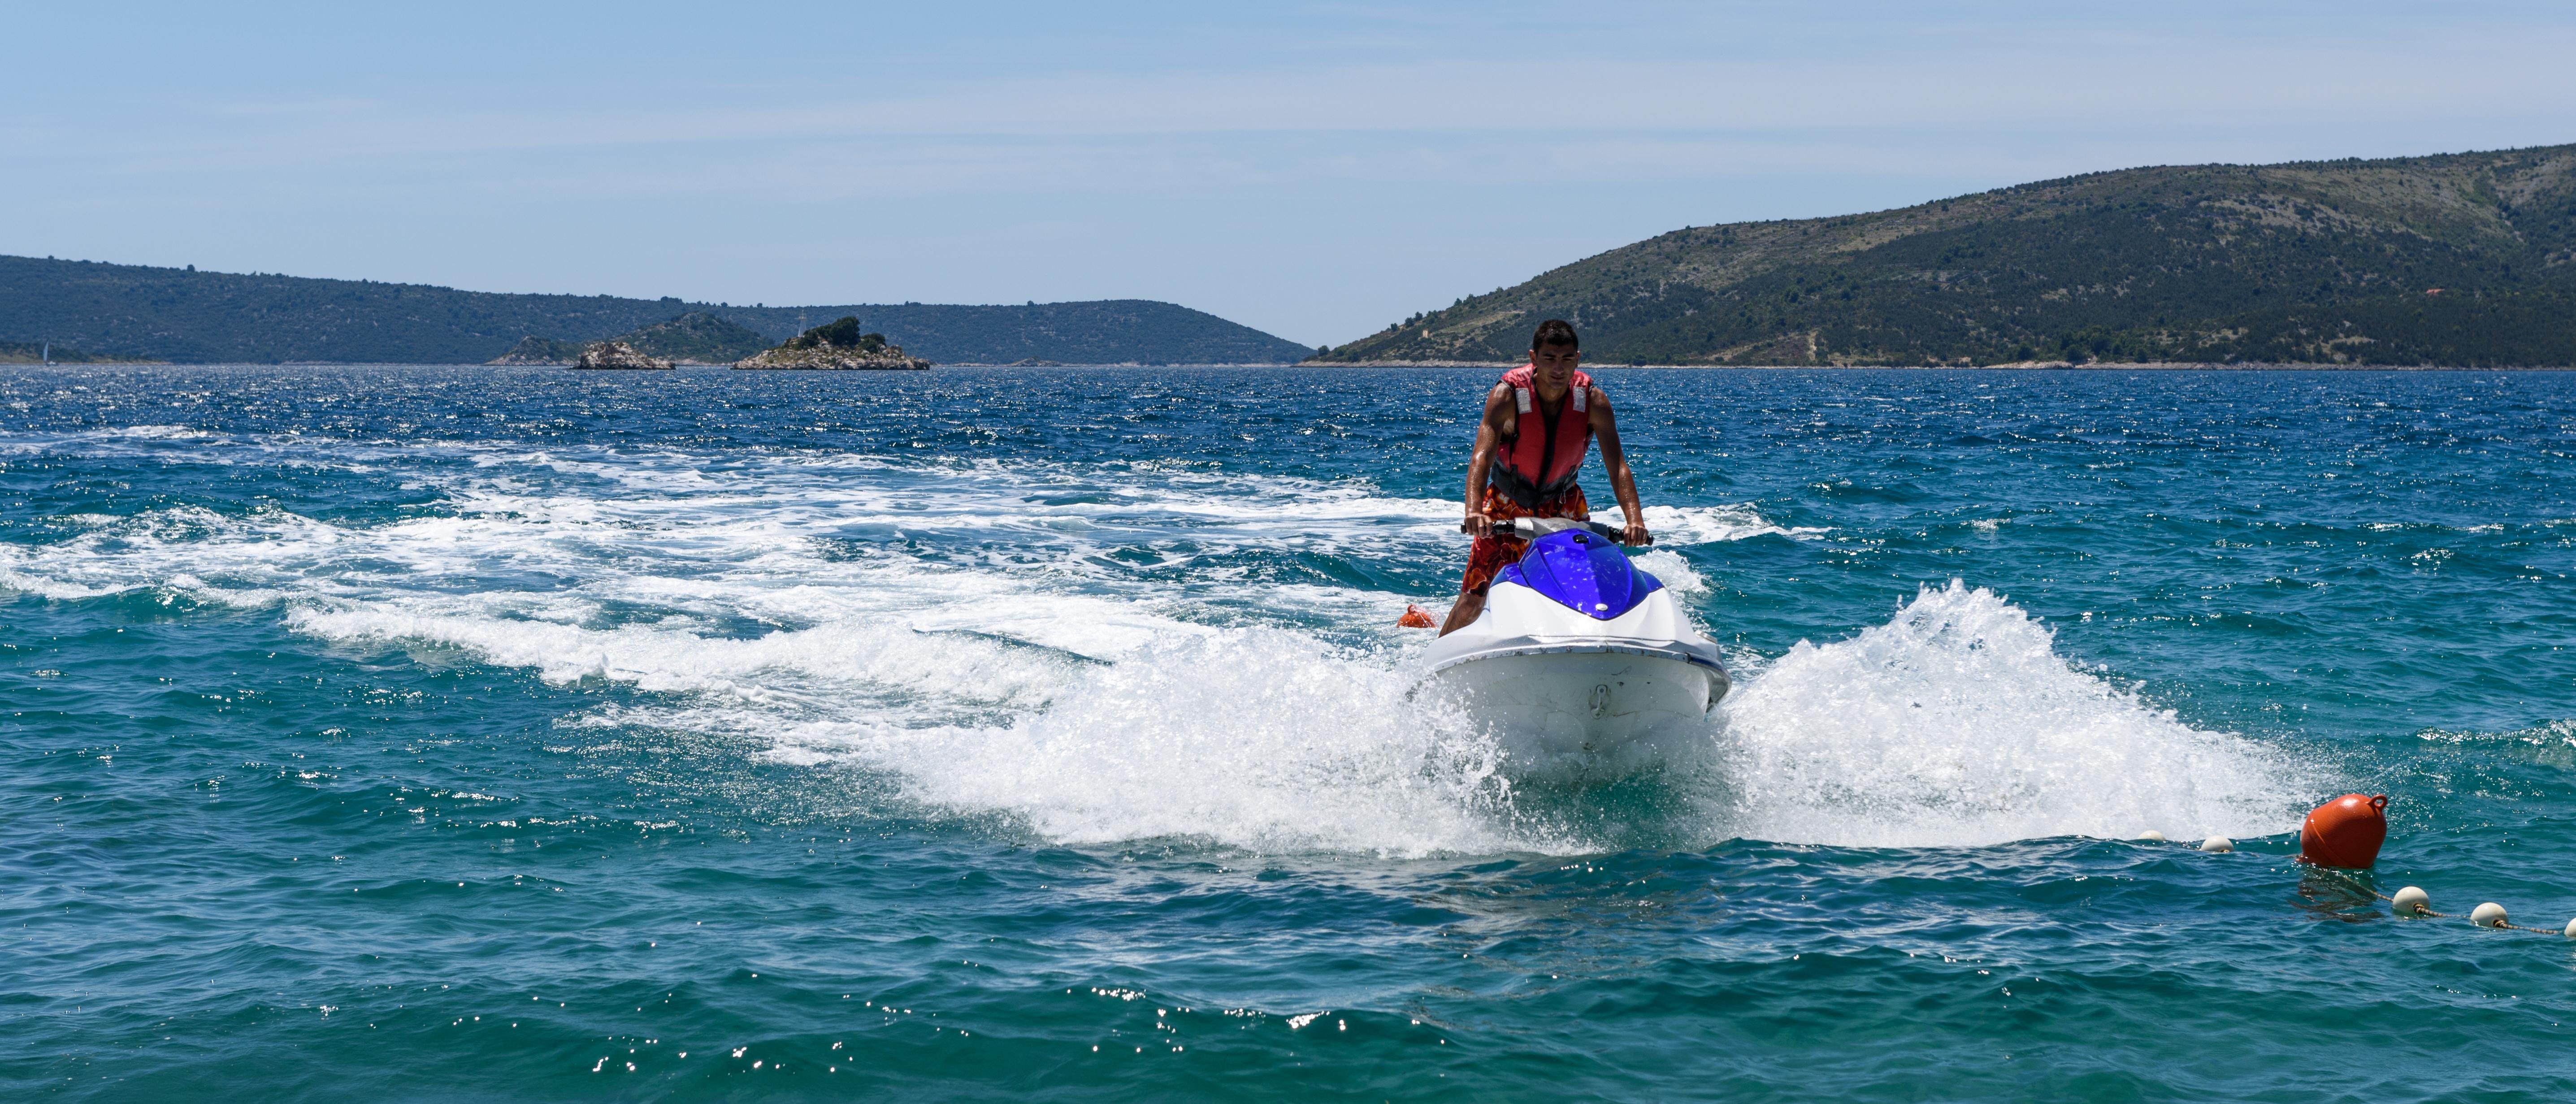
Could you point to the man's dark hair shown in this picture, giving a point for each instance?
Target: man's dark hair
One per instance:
(1554, 331)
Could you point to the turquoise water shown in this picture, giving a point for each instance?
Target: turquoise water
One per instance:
(513, 734)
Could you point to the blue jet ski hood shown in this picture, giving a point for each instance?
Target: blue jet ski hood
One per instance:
(1582, 572)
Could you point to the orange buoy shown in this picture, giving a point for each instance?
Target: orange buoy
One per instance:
(2346, 831)
(1415, 618)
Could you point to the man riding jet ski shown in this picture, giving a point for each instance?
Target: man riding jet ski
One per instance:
(1582, 664)
(1539, 421)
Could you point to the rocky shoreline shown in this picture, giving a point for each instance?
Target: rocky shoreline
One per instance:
(46, 352)
(832, 360)
(618, 356)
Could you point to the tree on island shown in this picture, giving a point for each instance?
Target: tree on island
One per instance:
(840, 333)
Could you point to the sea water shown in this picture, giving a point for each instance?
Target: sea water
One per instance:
(518, 734)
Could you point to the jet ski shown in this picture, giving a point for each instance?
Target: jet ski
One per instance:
(1584, 666)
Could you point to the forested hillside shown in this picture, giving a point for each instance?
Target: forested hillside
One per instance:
(188, 316)
(697, 338)
(2461, 259)
(37, 352)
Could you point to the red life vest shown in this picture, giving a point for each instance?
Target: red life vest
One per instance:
(1534, 467)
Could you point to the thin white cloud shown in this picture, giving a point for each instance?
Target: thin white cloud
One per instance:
(2003, 85)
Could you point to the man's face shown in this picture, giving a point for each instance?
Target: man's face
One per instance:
(1555, 364)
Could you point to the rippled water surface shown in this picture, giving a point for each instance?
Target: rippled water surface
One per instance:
(517, 734)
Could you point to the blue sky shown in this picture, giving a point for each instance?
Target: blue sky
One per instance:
(1316, 170)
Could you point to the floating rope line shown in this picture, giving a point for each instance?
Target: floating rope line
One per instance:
(2344, 835)
(2413, 901)
(2410, 901)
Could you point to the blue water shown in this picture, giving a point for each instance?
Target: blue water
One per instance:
(515, 734)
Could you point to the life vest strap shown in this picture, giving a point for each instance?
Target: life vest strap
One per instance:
(1582, 398)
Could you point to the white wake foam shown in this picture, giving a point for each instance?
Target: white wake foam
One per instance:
(1705, 524)
(1957, 723)
(803, 663)
(1672, 570)
(1072, 650)
(1253, 738)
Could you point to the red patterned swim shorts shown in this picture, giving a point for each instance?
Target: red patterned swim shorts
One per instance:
(1494, 551)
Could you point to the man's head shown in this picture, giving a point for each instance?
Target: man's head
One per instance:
(1555, 353)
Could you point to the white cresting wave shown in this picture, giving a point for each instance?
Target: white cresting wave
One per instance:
(1957, 723)
(1705, 524)
(982, 635)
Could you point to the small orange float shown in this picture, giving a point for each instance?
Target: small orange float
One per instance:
(2345, 832)
(1415, 618)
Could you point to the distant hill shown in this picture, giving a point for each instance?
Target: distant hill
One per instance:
(188, 316)
(35, 352)
(693, 338)
(697, 338)
(2462, 259)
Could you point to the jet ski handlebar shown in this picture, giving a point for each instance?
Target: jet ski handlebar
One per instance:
(1532, 528)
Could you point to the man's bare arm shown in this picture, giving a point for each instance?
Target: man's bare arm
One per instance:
(1489, 435)
(1623, 482)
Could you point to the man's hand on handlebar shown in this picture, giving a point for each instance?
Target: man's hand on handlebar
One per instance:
(1477, 525)
(1635, 534)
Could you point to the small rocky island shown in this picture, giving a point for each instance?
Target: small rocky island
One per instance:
(836, 346)
(702, 338)
(693, 338)
(617, 355)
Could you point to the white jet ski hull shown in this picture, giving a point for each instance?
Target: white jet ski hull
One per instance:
(1575, 698)
(1570, 714)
